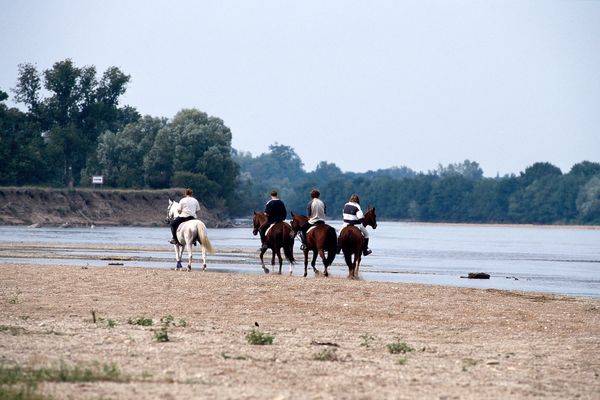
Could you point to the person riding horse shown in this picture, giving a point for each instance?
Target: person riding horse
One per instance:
(276, 212)
(353, 215)
(188, 207)
(316, 211)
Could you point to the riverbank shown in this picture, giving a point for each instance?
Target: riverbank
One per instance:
(91, 207)
(331, 338)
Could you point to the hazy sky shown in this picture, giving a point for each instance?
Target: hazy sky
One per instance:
(363, 84)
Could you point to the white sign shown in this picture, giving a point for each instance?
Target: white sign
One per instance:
(97, 179)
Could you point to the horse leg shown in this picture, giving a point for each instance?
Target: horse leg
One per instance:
(305, 262)
(314, 262)
(322, 254)
(349, 263)
(273, 260)
(203, 257)
(188, 248)
(280, 260)
(262, 261)
(178, 251)
(357, 260)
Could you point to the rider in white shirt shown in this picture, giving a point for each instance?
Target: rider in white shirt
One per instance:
(315, 211)
(188, 207)
(354, 216)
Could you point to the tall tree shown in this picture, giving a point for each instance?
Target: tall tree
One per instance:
(77, 109)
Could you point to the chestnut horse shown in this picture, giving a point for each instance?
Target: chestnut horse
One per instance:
(351, 242)
(278, 236)
(320, 239)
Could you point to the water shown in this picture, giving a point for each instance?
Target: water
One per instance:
(541, 259)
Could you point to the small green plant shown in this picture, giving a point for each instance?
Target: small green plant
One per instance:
(111, 323)
(326, 355)
(142, 321)
(401, 361)
(228, 357)
(24, 317)
(182, 323)
(468, 363)
(398, 347)
(366, 340)
(258, 338)
(162, 335)
(167, 319)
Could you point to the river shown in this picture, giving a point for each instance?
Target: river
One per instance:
(563, 260)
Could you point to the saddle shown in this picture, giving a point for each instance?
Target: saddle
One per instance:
(269, 228)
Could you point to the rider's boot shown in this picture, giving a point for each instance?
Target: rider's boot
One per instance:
(263, 245)
(366, 250)
(303, 240)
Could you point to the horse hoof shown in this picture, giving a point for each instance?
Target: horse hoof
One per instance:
(204, 267)
(266, 270)
(189, 268)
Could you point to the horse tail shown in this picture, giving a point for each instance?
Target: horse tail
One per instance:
(203, 238)
(332, 245)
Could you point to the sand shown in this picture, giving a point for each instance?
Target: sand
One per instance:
(331, 336)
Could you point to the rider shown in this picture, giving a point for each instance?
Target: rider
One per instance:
(276, 212)
(316, 211)
(354, 216)
(188, 206)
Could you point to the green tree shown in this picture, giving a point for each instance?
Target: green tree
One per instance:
(588, 201)
(120, 156)
(77, 109)
(197, 144)
(21, 147)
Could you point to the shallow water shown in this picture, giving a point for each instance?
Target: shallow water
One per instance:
(544, 259)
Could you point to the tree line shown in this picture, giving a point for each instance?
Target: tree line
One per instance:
(74, 128)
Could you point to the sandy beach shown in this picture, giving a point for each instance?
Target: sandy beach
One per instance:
(331, 338)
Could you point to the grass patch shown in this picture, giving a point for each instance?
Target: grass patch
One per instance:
(366, 340)
(142, 321)
(21, 393)
(61, 373)
(13, 330)
(259, 338)
(326, 355)
(111, 323)
(398, 347)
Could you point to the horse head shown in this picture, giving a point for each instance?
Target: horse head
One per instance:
(297, 223)
(258, 219)
(370, 218)
(171, 211)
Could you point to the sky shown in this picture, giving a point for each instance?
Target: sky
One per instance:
(363, 84)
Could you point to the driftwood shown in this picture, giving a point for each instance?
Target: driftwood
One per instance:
(477, 275)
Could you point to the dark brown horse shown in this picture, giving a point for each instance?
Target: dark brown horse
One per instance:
(278, 236)
(322, 238)
(352, 241)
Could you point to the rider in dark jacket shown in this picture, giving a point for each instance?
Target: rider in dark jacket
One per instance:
(276, 212)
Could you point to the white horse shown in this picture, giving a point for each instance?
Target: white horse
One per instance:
(188, 233)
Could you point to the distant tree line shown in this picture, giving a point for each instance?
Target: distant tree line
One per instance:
(541, 194)
(74, 128)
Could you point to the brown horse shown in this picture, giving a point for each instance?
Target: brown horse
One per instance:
(278, 236)
(351, 242)
(322, 238)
